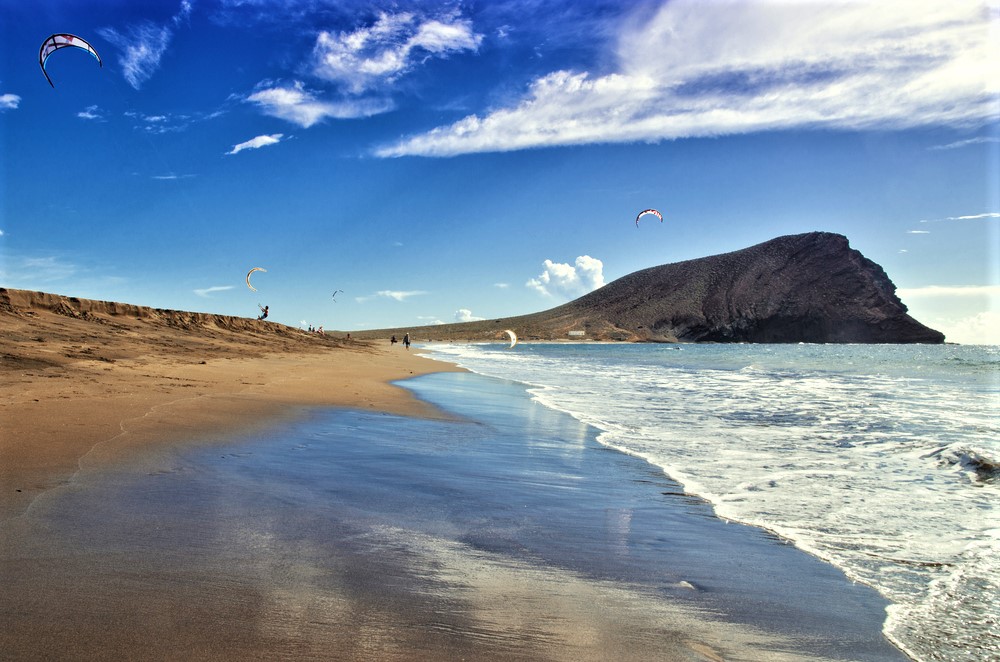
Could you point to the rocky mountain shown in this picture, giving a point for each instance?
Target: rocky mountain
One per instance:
(809, 287)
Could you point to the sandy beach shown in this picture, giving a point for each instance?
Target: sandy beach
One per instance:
(89, 382)
(192, 486)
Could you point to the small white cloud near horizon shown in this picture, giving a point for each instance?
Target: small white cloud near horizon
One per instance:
(257, 143)
(378, 54)
(502, 286)
(886, 65)
(204, 292)
(569, 280)
(465, 315)
(950, 291)
(294, 103)
(979, 329)
(9, 101)
(397, 295)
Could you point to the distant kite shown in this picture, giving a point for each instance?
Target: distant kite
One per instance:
(248, 276)
(513, 338)
(651, 212)
(334, 297)
(59, 41)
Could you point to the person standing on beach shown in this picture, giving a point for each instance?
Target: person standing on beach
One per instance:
(406, 341)
(392, 341)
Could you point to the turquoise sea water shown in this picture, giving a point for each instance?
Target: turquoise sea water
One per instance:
(882, 460)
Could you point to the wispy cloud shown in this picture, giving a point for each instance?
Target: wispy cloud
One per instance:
(502, 286)
(398, 295)
(918, 232)
(965, 143)
(9, 101)
(782, 65)
(35, 271)
(465, 315)
(142, 45)
(257, 143)
(568, 280)
(171, 177)
(294, 103)
(971, 217)
(377, 54)
(204, 292)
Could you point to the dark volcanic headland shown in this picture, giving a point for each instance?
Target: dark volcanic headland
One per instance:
(809, 287)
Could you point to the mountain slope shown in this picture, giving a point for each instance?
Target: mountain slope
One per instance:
(810, 287)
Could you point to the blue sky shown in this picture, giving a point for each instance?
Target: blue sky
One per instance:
(443, 161)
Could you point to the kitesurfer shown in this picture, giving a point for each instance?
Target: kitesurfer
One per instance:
(263, 312)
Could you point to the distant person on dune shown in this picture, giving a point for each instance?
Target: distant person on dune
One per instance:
(263, 312)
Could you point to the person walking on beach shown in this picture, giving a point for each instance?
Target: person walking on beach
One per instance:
(392, 341)
(406, 341)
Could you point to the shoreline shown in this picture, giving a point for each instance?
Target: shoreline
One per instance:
(88, 385)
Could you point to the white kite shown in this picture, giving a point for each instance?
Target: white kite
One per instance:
(248, 276)
(62, 40)
(651, 212)
(513, 338)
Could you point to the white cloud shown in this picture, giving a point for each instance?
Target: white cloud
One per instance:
(979, 329)
(374, 55)
(569, 281)
(847, 65)
(502, 286)
(465, 315)
(9, 101)
(918, 232)
(295, 104)
(992, 214)
(204, 292)
(972, 217)
(90, 113)
(1, 233)
(257, 143)
(950, 291)
(398, 295)
(965, 143)
(142, 45)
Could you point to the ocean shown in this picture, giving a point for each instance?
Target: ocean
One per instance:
(882, 460)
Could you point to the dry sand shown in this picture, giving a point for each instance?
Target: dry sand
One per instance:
(89, 381)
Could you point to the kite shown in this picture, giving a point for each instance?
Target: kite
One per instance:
(58, 41)
(334, 297)
(248, 276)
(513, 338)
(652, 212)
